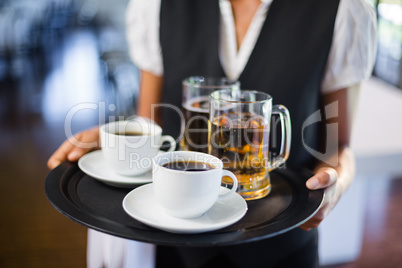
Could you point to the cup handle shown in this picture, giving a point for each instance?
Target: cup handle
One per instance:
(234, 186)
(171, 141)
(283, 113)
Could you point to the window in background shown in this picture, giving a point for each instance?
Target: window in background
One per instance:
(389, 55)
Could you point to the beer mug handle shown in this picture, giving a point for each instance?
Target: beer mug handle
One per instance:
(171, 142)
(234, 186)
(283, 113)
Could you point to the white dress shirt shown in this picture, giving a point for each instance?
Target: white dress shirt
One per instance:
(351, 57)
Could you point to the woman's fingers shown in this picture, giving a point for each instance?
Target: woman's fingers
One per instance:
(323, 178)
(84, 142)
(60, 155)
(75, 147)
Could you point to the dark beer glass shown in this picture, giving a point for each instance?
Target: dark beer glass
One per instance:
(195, 105)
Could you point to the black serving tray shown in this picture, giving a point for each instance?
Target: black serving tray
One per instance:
(99, 206)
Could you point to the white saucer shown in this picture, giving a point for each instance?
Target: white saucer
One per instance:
(142, 206)
(94, 165)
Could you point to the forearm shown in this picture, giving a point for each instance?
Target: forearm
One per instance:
(335, 173)
(343, 159)
(347, 168)
(150, 93)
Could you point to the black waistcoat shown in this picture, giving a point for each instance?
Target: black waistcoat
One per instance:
(288, 61)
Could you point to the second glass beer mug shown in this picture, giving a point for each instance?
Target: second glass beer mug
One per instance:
(238, 134)
(195, 104)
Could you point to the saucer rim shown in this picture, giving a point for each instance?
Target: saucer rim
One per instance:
(117, 180)
(186, 229)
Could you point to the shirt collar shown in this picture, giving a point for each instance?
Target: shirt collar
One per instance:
(265, 2)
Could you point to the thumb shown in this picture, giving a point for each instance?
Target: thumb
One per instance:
(323, 178)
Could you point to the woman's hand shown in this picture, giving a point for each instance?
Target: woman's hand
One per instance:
(75, 147)
(324, 178)
(334, 181)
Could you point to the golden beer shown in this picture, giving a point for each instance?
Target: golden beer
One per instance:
(241, 141)
(238, 134)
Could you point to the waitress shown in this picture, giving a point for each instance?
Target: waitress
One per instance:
(307, 54)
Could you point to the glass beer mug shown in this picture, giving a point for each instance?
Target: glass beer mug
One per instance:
(195, 105)
(238, 134)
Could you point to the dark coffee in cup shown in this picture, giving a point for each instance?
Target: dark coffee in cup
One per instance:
(130, 133)
(188, 166)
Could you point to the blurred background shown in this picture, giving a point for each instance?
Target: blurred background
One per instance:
(56, 55)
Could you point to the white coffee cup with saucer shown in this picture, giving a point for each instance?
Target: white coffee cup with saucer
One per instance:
(129, 146)
(187, 184)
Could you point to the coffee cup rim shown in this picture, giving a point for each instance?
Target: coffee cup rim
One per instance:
(217, 163)
(154, 128)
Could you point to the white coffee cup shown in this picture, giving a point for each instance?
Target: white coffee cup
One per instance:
(131, 155)
(189, 194)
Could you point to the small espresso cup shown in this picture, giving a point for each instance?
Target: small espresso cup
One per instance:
(129, 146)
(187, 184)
